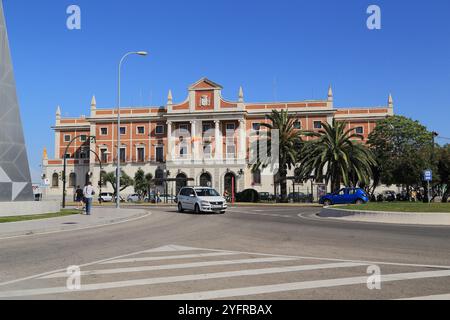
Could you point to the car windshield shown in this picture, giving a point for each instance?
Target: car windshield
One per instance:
(207, 193)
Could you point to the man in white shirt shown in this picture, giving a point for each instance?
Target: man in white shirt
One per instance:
(88, 194)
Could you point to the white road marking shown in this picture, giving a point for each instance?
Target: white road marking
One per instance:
(266, 214)
(436, 297)
(185, 256)
(174, 279)
(342, 260)
(172, 267)
(239, 292)
(169, 248)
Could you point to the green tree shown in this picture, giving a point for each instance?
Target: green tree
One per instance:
(402, 148)
(290, 140)
(336, 156)
(125, 180)
(140, 183)
(443, 164)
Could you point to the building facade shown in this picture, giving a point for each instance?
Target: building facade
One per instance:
(204, 140)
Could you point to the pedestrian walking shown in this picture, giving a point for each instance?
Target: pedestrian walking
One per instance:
(88, 194)
(158, 197)
(79, 197)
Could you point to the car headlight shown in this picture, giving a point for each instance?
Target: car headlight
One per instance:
(205, 204)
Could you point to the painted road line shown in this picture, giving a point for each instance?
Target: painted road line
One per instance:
(285, 287)
(167, 248)
(443, 297)
(172, 267)
(185, 256)
(174, 279)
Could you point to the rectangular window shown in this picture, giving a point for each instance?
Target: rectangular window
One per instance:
(231, 127)
(68, 156)
(140, 154)
(297, 125)
(140, 130)
(160, 154)
(123, 152)
(104, 131)
(104, 155)
(159, 129)
(183, 128)
(317, 124)
(257, 126)
(123, 130)
(360, 130)
(206, 128)
(83, 138)
(67, 138)
(231, 151)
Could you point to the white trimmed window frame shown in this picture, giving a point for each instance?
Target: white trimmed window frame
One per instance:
(137, 130)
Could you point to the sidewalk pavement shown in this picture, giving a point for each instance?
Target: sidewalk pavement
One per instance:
(100, 216)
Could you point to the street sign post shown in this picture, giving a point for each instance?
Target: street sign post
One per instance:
(428, 177)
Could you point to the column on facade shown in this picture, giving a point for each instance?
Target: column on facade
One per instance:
(219, 141)
(194, 139)
(242, 140)
(170, 144)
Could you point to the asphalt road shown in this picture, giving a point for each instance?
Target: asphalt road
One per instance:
(248, 253)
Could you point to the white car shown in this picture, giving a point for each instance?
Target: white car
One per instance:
(200, 200)
(133, 198)
(105, 197)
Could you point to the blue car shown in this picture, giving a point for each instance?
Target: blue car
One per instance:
(345, 196)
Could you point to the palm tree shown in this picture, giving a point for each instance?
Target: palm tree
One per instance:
(289, 142)
(336, 156)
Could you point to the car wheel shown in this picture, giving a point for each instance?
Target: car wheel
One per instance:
(180, 208)
(327, 203)
(197, 209)
(359, 202)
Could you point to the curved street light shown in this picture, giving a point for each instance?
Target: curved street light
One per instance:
(118, 173)
(93, 139)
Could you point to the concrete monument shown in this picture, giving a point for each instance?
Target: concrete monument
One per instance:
(15, 179)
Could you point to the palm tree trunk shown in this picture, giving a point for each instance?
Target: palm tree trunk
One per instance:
(283, 185)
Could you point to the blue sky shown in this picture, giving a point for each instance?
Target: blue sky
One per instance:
(301, 46)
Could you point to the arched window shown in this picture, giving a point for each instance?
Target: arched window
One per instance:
(257, 177)
(205, 180)
(55, 180)
(73, 180)
(181, 182)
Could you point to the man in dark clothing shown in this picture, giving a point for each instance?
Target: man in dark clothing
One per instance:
(79, 198)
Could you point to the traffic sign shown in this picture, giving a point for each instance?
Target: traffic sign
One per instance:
(428, 175)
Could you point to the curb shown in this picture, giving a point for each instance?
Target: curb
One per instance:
(104, 223)
(406, 218)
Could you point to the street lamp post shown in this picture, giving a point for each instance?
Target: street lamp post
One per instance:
(140, 53)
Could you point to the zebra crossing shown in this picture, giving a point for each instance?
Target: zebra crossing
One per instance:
(185, 273)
